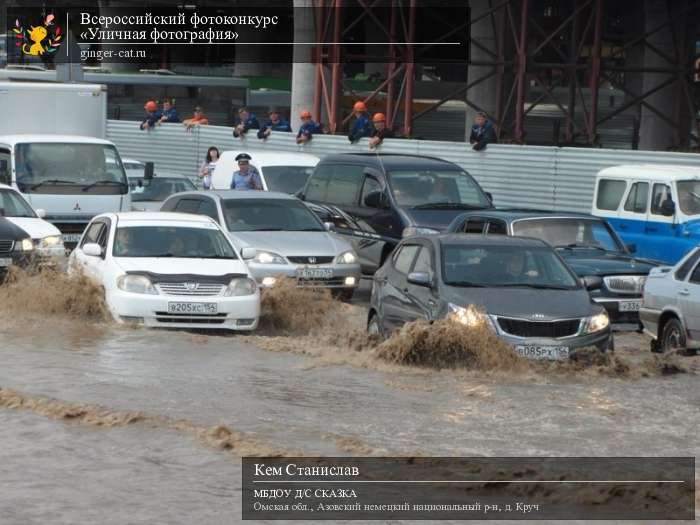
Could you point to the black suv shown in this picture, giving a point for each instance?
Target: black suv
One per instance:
(587, 243)
(380, 198)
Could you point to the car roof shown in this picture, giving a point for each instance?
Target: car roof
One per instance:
(272, 158)
(158, 216)
(242, 195)
(76, 139)
(483, 240)
(663, 172)
(389, 161)
(513, 214)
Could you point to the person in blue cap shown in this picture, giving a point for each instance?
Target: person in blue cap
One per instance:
(247, 177)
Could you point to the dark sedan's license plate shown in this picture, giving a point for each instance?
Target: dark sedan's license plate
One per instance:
(192, 308)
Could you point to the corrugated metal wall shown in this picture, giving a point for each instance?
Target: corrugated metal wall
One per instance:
(526, 176)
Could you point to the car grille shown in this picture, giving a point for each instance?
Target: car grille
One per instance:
(190, 288)
(333, 281)
(625, 284)
(165, 317)
(6, 246)
(311, 259)
(70, 227)
(549, 329)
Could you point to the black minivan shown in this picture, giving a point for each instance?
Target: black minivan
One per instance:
(378, 199)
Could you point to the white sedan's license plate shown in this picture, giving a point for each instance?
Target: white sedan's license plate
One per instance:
(5, 262)
(193, 308)
(314, 273)
(543, 352)
(69, 238)
(629, 306)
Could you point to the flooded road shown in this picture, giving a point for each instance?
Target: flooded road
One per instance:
(195, 403)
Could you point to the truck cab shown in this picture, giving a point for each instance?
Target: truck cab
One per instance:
(72, 178)
(655, 209)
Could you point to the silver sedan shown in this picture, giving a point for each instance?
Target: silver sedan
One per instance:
(278, 236)
(671, 310)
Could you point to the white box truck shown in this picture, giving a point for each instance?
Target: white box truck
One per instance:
(52, 149)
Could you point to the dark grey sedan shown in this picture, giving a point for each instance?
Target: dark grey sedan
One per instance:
(532, 300)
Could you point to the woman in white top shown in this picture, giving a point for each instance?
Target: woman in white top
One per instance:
(207, 168)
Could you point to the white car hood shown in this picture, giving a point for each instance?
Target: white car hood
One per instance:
(178, 266)
(85, 206)
(291, 243)
(35, 228)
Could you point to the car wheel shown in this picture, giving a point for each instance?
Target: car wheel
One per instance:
(673, 336)
(374, 327)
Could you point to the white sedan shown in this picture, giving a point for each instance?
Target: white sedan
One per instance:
(169, 270)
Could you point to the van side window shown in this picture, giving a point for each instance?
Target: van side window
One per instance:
(475, 225)
(344, 186)
(659, 194)
(496, 227)
(683, 270)
(5, 167)
(610, 194)
(638, 198)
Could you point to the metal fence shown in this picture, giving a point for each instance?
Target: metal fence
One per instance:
(524, 176)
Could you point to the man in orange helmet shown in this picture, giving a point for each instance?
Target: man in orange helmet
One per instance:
(361, 127)
(153, 115)
(379, 131)
(308, 128)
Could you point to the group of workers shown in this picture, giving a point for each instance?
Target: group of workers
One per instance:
(375, 128)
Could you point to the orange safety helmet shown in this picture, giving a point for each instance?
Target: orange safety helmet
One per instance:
(150, 106)
(305, 114)
(359, 106)
(379, 117)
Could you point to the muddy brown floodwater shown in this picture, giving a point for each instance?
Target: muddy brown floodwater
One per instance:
(109, 424)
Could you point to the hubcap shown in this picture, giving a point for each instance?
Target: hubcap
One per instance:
(673, 339)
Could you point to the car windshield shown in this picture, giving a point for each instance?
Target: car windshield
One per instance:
(158, 188)
(77, 168)
(569, 232)
(437, 189)
(269, 215)
(172, 241)
(286, 179)
(689, 196)
(13, 205)
(508, 266)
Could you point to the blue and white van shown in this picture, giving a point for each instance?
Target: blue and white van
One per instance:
(655, 209)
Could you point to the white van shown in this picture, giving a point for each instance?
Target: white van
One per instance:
(653, 207)
(72, 178)
(279, 171)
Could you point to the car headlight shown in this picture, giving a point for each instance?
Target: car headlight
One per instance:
(240, 286)
(469, 316)
(269, 258)
(25, 245)
(596, 323)
(49, 243)
(136, 284)
(417, 230)
(346, 258)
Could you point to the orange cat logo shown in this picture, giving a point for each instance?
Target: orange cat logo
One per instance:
(37, 40)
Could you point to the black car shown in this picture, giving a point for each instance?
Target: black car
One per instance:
(587, 243)
(16, 247)
(530, 297)
(380, 198)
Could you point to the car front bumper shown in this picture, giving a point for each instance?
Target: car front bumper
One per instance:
(233, 313)
(627, 321)
(599, 340)
(343, 276)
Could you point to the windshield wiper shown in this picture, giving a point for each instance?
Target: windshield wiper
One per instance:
(104, 182)
(446, 205)
(50, 181)
(532, 285)
(584, 246)
(307, 230)
(264, 230)
(466, 284)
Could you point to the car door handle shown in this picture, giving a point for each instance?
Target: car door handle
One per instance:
(684, 292)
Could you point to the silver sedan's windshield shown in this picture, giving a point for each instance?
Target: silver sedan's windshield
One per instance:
(171, 241)
(488, 265)
(569, 232)
(437, 189)
(245, 215)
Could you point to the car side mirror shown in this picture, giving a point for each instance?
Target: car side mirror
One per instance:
(632, 248)
(420, 279)
(299, 194)
(5, 172)
(148, 171)
(41, 213)
(248, 253)
(668, 208)
(92, 249)
(329, 226)
(592, 282)
(376, 199)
